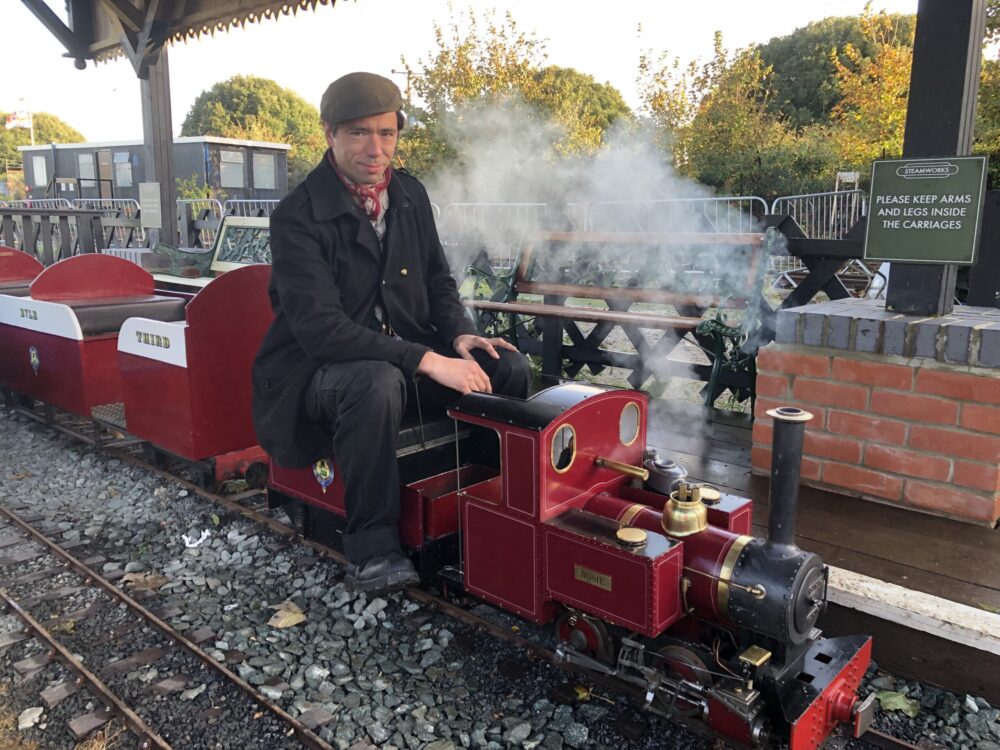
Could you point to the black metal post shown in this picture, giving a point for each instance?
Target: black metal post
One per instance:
(984, 276)
(786, 466)
(940, 115)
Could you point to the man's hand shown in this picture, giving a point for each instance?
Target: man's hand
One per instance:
(462, 375)
(465, 343)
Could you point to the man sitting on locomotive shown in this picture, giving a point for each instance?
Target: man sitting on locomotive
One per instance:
(364, 301)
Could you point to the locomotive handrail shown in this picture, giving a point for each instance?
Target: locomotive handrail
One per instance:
(627, 469)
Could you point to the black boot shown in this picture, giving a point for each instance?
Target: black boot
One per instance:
(381, 573)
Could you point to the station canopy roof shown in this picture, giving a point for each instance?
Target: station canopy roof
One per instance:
(106, 29)
(185, 20)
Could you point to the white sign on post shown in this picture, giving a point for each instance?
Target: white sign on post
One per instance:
(149, 205)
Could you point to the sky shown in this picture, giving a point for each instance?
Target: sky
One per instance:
(307, 51)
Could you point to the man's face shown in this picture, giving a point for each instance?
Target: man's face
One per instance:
(364, 147)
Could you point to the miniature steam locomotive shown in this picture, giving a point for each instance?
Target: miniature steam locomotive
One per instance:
(558, 513)
(551, 508)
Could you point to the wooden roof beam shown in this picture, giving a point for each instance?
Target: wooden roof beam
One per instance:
(143, 48)
(126, 13)
(75, 46)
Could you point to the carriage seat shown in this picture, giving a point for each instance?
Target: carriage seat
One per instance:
(107, 314)
(17, 270)
(15, 288)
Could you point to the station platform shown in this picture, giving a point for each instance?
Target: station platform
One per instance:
(926, 587)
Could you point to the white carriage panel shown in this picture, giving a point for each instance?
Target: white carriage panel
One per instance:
(155, 339)
(53, 318)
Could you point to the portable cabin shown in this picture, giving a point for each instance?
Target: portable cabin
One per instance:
(245, 170)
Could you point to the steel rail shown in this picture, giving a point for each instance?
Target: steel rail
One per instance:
(306, 735)
(885, 741)
(71, 431)
(146, 733)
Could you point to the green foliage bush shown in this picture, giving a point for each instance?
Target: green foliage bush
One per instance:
(258, 109)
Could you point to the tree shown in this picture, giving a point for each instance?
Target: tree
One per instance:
(871, 115)
(584, 109)
(992, 21)
(486, 79)
(670, 94)
(48, 129)
(471, 69)
(721, 129)
(987, 133)
(803, 75)
(259, 109)
(476, 67)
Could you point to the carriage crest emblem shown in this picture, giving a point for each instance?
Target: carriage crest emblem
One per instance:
(323, 472)
(33, 359)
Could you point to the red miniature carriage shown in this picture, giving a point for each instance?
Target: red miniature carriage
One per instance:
(60, 342)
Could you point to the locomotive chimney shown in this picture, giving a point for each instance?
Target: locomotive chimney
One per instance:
(786, 461)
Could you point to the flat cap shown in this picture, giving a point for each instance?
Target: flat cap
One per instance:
(359, 95)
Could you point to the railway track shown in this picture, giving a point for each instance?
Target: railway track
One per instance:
(112, 635)
(299, 731)
(871, 738)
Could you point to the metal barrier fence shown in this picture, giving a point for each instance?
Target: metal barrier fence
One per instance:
(55, 228)
(51, 233)
(56, 203)
(128, 235)
(724, 214)
(499, 228)
(822, 216)
(133, 254)
(245, 207)
(198, 221)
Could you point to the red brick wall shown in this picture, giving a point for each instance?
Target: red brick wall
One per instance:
(916, 433)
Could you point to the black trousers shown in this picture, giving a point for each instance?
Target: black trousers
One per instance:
(363, 402)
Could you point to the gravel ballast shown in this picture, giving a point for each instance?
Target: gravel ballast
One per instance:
(392, 672)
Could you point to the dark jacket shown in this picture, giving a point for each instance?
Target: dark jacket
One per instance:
(325, 280)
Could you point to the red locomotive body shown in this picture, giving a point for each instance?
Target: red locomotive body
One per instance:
(664, 590)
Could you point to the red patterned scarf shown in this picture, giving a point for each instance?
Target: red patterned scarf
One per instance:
(369, 196)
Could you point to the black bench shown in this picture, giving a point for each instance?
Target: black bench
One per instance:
(690, 273)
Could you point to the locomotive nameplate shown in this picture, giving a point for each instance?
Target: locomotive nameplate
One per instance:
(586, 575)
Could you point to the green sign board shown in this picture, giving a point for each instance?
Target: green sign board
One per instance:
(926, 210)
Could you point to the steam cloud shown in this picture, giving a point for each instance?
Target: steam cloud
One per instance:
(507, 156)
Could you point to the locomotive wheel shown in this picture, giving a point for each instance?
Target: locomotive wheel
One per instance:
(680, 663)
(256, 475)
(155, 457)
(585, 634)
